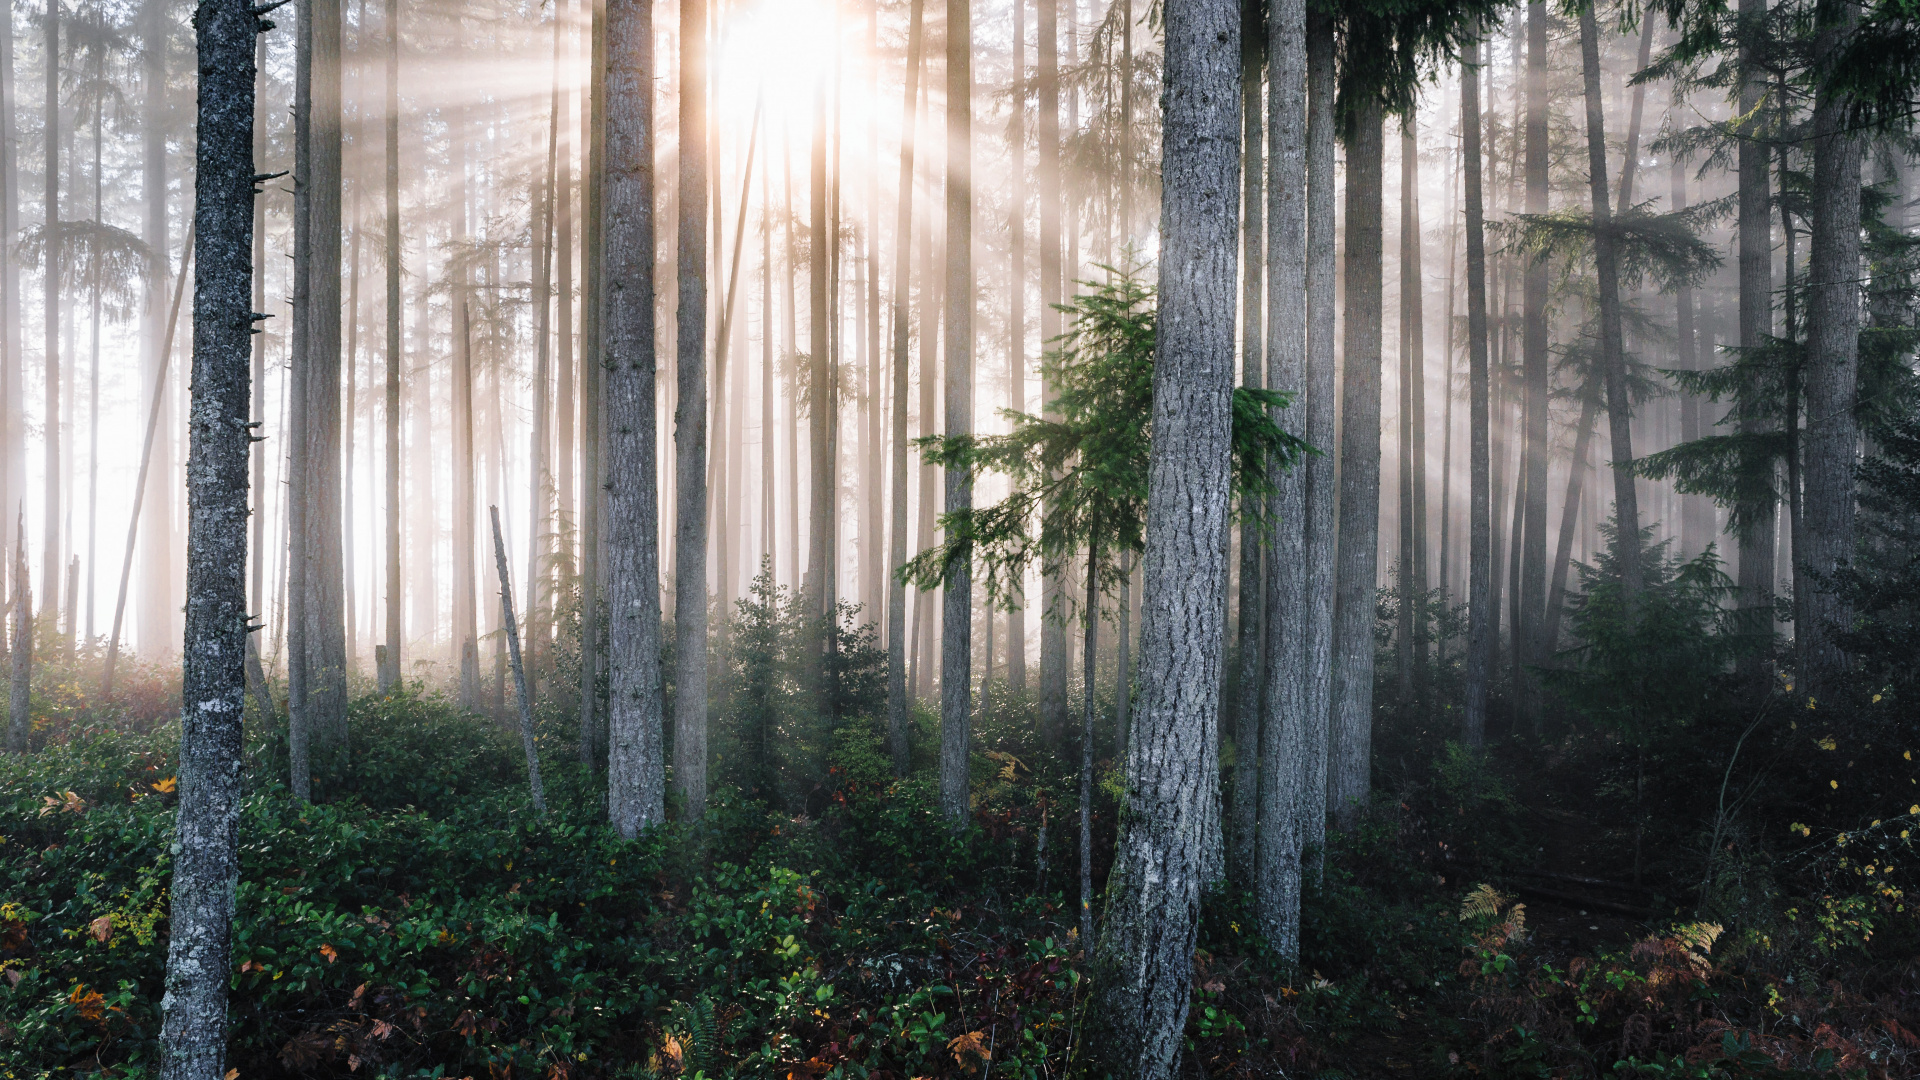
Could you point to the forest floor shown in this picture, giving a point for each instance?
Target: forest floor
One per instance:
(420, 922)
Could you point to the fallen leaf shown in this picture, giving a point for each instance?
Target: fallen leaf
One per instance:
(166, 786)
(330, 953)
(101, 929)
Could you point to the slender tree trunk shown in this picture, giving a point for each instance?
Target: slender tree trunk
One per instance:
(1755, 238)
(1091, 624)
(1530, 541)
(1245, 810)
(897, 536)
(465, 586)
(20, 650)
(1017, 320)
(1323, 495)
(1696, 521)
(1285, 736)
(53, 251)
(1612, 352)
(540, 485)
(1482, 620)
(956, 626)
(256, 590)
(159, 598)
(592, 416)
(1570, 516)
(301, 734)
(820, 486)
(1410, 364)
(522, 696)
(1144, 966)
(1832, 369)
(390, 672)
(206, 849)
(93, 385)
(690, 423)
(564, 404)
(13, 435)
(636, 775)
(1053, 626)
(1351, 756)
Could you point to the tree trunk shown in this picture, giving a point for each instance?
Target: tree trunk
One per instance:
(540, 532)
(1053, 626)
(1245, 810)
(956, 623)
(1529, 587)
(1144, 967)
(53, 254)
(897, 539)
(1322, 483)
(159, 595)
(563, 412)
(1412, 457)
(1756, 320)
(524, 699)
(820, 485)
(1091, 625)
(1832, 370)
(1570, 516)
(465, 586)
(206, 860)
(1612, 353)
(1696, 520)
(390, 672)
(636, 776)
(1283, 745)
(1482, 621)
(690, 424)
(20, 650)
(1350, 759)
(13, 434)
(1017, 320)
(257, 547)
(592, 371)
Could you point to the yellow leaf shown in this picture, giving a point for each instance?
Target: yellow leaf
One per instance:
(1834, 784)
(166, 786)
(973, 1042)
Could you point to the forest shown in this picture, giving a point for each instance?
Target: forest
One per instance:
(514, 566)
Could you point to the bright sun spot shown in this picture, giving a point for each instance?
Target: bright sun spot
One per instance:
(780, 51)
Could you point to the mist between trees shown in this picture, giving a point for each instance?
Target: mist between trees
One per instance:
(1014, 426)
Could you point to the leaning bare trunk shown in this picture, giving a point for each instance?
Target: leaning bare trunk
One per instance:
(1612, 353)
(1480, 617)
(1144, 964)
(1350, 760)
(956, 623)
(206, 860)
(521, 696)
(636, 774)
(1833, 331)
(690, 425)
(897, 524)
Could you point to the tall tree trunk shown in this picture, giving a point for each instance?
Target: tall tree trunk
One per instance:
(636, 774)
(521, 693)
(956, 624)
(1053, 626)
(1832, 369)
(1529, 587)
(1017, 320)
(540, 487)
(1612, 353)
(897, 525)
(20, 649)
(1284, 738)
(390, 671)
(206, 859)
(820, 486)
(257, 547)
(93, 382)
(466, 630)
(1090, 622)
(1351, 755)
(690, 423)
(1245, 810)
(1696, 514)
(564, 404)
(1323, 494)
(1412, 434)
(1482, 620)
(300, 725)
(1756, 544)
(1144, 965)
(1570, 515)
(53, 253)
(13, 435)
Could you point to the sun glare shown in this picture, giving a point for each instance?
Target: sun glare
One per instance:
(778, 53)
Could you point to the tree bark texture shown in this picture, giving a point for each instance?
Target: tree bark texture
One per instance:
(1144, 965)
(1351, 753)
(1832, 369)
(1285, 737)
(956, 622)
(1482, 622)
(690, 424)
(636, 779)
(902, 328)
(206, 861)
(1243, 829)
